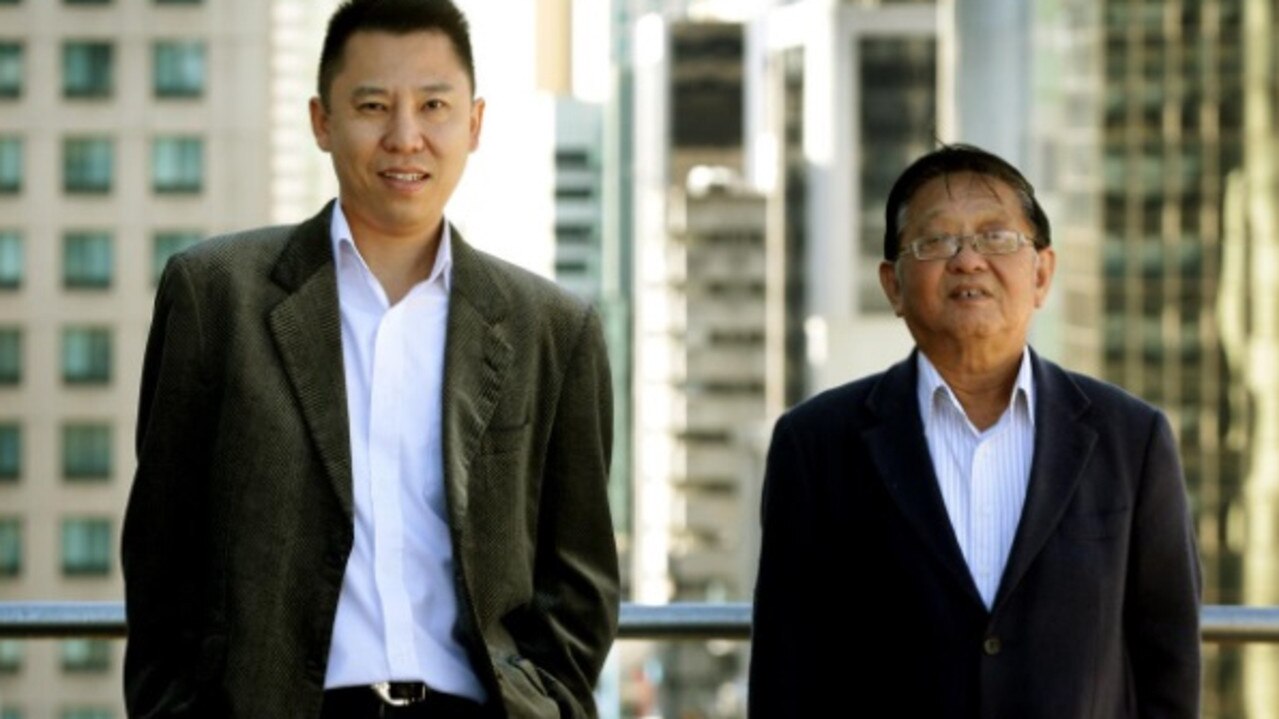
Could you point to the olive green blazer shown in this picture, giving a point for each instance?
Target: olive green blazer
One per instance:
(239, 521)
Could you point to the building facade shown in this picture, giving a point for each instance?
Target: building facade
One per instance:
(129, 129)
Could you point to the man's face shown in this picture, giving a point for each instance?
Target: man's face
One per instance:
(970, 305)
(400, 125)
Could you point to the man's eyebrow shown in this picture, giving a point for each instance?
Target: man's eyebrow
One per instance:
(363, 91)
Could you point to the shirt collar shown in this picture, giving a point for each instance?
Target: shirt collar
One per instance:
(931, 386)
(340, 235)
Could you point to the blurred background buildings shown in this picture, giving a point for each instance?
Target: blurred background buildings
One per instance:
(712, 175)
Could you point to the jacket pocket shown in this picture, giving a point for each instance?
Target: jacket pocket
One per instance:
(1095, 525)
(522, 690)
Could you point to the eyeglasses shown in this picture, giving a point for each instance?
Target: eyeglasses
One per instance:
(944, 247)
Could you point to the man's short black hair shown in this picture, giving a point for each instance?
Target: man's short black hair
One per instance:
(950, 160)
(399, 17)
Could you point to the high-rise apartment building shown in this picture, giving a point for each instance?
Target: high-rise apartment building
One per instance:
(847, 98)
(1248, 313)
(1142, 128)
(129, 129)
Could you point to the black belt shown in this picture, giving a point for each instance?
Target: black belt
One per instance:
(408, 700)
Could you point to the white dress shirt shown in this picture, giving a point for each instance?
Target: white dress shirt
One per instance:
(982, 475)
(397, 608)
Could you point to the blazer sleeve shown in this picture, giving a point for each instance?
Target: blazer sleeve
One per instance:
(793, 618)
(576, 582)
(164, 527)
(1161, 612)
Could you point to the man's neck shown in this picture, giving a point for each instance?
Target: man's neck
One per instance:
(982, 383)
(398, 261)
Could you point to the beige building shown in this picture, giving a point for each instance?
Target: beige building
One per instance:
(129, 129)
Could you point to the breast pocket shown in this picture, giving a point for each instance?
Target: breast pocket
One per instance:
(1094, 526)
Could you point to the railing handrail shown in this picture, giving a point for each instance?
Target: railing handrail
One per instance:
(675, 621)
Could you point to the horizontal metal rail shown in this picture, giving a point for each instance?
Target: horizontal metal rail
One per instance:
(678, 621)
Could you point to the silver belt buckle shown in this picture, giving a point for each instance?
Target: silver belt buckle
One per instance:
(383, 692)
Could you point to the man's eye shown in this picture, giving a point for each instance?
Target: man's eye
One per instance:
(371, 107)
(435, 104)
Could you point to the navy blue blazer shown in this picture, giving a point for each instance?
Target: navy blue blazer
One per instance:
(1097, 613)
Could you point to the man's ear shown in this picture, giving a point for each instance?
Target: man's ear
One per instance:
(1045, 265)
(319, 123)
(891, 281)
(477, 121)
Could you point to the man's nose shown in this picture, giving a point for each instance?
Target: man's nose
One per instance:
(968, 259)
(404, 132)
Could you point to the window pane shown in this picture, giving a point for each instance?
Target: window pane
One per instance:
(86, 355)
(168, 244)
(87, 69)
(86, 713)
(10, 259)
(10, 547)
(86, 260)
(86, 546)
(179, 69)
(10, 165)
(10, 355)
(87, 164)
(10, 451)
(177, 164)
(10, 658)
(10, 69)
(86, 655)
(86, 451)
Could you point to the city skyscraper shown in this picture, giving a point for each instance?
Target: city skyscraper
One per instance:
(1140, 127)
(116, 150)
(1248, 313)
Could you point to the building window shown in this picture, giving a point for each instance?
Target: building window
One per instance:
(86, 546)
(86, 451)
(86, 713)
(10, 69)
(10, 546)
(86, 355)
(178, 68)
(10, 659)
(87, 164)
(177, 165)
(168, 244)
(10, 259)
(87, 69)
(10, 356)
(86, 655)
(86, 260)
(10, 452)
(10, 165)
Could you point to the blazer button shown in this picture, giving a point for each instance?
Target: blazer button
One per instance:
(991, 646)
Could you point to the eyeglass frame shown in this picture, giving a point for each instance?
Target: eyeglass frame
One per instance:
(959, 241)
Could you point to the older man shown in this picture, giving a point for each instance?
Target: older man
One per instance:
(1016, 536)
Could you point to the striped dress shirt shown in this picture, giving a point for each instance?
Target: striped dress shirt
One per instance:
(982, 475)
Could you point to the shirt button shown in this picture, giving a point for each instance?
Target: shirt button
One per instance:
(991, 646)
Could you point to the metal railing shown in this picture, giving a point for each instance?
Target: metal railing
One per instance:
(678, 621)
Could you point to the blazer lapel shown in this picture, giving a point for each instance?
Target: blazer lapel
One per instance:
(476, 357)
(899, 449)
(306, 326)
(1063, 446)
